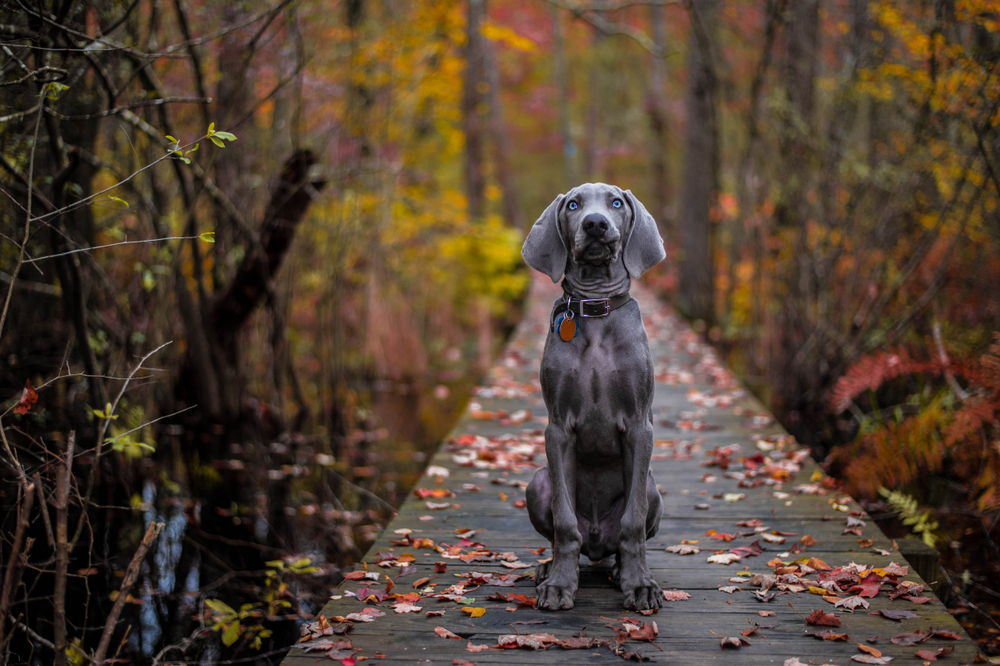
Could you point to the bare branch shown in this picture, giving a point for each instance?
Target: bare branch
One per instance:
(130, 575)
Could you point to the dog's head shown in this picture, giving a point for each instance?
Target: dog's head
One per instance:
(594, 224)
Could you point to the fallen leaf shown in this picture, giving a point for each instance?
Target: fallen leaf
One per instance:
(684, 549)
(765, 613)
(910, 639)
(852, 603)
(869, 585)
(918, 600)
(869, 659)
(444, 633)
(367, 615)
(440, 567)
(944, 633)
(406, 608)
(734, 642)
(729, 589)
(473, 612)
(361, 575)
(420, 582)
(932, 655)
(469, 647)
(675, 595)
(818, 617)
(724, 558)
(896, 615)
(828, 635)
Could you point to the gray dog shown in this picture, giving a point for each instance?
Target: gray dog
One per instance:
(597, 496)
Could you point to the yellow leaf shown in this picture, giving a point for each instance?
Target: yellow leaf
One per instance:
(474, 612)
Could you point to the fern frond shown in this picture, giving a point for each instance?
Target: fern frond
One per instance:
(870, 372)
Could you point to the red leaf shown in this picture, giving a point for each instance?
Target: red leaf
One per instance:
(28, 398)
(824, 619)
(932, 655)
(868, 586)
(348, 661)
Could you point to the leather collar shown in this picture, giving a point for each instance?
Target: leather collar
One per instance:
(592, 307)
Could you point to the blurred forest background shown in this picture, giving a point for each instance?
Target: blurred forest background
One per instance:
(256, 255)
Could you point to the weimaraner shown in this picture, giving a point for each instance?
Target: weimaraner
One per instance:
(597, 496)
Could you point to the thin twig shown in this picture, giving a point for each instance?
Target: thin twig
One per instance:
(130, 575)
(103, 247)
(12, 577)
(92, 479)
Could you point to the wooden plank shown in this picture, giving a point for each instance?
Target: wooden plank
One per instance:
(698, 498)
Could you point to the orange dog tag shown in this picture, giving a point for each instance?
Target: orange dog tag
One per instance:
(567, 329)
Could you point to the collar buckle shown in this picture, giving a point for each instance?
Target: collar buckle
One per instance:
(594, 307)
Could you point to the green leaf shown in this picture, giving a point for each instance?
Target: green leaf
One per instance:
(211, 129)
(220, 607)
(277, 564)
(118, 200)
(228, 136)
(185, 160)
(217, 141)
(207, 236)
(232, 633)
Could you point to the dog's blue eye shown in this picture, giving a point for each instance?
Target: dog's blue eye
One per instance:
(617, 203)
(572, 205)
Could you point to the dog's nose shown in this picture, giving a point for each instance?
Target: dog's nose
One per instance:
(595, 224)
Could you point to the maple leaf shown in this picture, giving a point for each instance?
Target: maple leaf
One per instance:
(28, 398)
(724, 558)
(932, 655)
(444, 633)
(896, 570)
(820, 618)
(406, 608)
(645, 631)
(531, 641)
(367, 615)
(474, 612)
(851, 603)
(684, 549)
(675, 595)
(869, 585)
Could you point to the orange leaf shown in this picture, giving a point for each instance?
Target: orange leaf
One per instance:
(28, 398)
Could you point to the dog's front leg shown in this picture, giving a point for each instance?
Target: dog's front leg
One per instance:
(640, 590)
(558, 589)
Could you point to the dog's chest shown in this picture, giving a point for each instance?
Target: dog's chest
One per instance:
(600, 379)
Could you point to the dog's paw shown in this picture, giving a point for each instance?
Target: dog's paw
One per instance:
(647, 595)
(555, 597)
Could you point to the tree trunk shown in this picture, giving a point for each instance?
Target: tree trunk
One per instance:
(498, 130)
(701, 167)
(590, 157)
(473, 110)
(569, 148)
(655, 107)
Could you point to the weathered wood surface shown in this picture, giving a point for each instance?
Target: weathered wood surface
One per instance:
(690, 630)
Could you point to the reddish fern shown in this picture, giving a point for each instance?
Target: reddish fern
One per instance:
(870, 372)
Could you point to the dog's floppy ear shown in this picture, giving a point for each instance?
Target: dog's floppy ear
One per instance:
(544, 249)
(643, 247)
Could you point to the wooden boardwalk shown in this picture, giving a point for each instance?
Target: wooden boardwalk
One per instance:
(705, 426)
